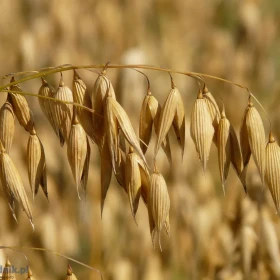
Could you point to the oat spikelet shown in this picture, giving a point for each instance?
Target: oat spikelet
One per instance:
(70, 275)
(62, 112)
(8, 272)
(7, 124)
(149, 117)
(172, 113)
(159, 203)
(106, 170)
(30, 275)
(77, 150)
(21, 108)
(46, 104)
(223, 144)
(12, 183)
(133, 180)
(116, 117)
(256, 136)
(81, 97)
(272, 175)
(36, 162)
(202, 130)
(101, 87)
(213, 109)
(236, 156)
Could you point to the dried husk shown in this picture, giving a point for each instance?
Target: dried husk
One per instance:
(149, 117)
(172, 113)
(213, 109)
(133, 180)
(70, 275)
(223, 144)
(46, 105)
(62, 112)
(158, 204)
(101, 87)
(7, 124)
(116, 118)
(8, 272)
(202, 130)
(12, 183)
(272, 175)
(21, 108)
(81, 97)
(77, 151)
(245, 149)
(106, 170)
(256, 136)
(36, 162)
(30, 275)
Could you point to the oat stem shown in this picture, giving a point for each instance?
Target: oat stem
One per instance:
(54, 253)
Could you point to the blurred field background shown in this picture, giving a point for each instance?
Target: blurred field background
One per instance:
(212, 236)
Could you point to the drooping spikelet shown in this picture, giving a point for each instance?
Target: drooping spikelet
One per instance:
(21, 108)
(36, 162)
(149, 117)
(102, 86)
(213, 110)
(7, 124)
(62, 112)
(202, 130)
(115, 119)
(172, 113)
(253, 140)
(272, 174)
(81, 97)
(78, 152)
(8, 271)
(12, 183)
(46, 105)
(158, 204)
(136, 175)
(223, 144)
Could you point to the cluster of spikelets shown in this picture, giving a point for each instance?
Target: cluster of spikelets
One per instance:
(78, 118)
(8, 273)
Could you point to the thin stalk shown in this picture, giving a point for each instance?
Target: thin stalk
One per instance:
(54, 253)
(53, 99)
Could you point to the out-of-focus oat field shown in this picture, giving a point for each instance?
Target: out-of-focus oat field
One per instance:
(212, 236)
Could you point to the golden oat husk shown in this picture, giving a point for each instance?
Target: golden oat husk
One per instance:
(8, 272)
(106, 170)
(120, 169)
(77, 150)
(70, 275)
(213, 109)
(30, 275)
(172, 113)
(102, 86)
(272, 175)
(202, 130)
(133, 180)
(159, 203)
(12, 182)
(81, 96)
(62, 112)
(21, 108)
(116, 117)
(36, 162)
(7, 124)
(223, 144)
(245, 149)
(149, 117)
(46, 105)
